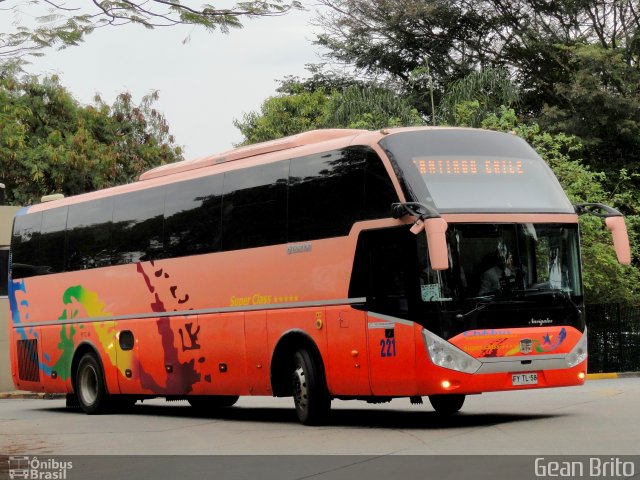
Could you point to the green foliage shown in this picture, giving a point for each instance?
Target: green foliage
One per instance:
(487, 89)
(367, 107)
(62, 26)
(49, 143)
(284, 115)
(599, 102)
(370, 107)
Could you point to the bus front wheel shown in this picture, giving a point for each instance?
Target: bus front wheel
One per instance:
(447, 404)
(90, 385)
(310, 395)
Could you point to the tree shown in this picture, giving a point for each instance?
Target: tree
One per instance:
(599, 102)
(65, 26)
(491, 89)
(370, 107)
(357, 106)
(392, 38)
(284, 115)
(49, 143)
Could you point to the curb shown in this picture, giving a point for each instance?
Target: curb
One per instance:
(31, 395)
(605, 376)
(601, 376)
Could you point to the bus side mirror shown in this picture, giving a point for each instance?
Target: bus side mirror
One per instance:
(620, 238)
(615, 222)
(435, 229)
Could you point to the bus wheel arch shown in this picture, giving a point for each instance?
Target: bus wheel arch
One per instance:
(283, 356)
(297, 370)
(88, 379)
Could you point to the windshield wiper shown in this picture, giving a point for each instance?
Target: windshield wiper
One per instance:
(487, 300)
(554, 292)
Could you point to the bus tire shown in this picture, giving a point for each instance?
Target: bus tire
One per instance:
(310, 394)
(447, 404)
(90, 385)
(204, 402)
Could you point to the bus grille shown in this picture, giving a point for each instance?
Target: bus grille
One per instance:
(28, 367)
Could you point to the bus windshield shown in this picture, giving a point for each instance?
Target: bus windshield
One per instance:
(463, 170)
(514, 275)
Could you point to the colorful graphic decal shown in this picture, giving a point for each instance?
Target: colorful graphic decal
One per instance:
(63, 366)
(83, 303)
(550, 342)
(526, 341)
(166, 297)
(19, 306)
(78, 302)
(14, 301)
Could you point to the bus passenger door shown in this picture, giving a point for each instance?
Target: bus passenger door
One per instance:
(347, 367)
(392, 356)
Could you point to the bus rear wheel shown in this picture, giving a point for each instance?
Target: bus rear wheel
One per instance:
(310, 394)
(203, 402)
(90, 386)
(447, 404)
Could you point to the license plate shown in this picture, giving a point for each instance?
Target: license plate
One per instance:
(524, 379)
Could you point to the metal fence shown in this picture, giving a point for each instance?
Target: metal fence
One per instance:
(614, 338)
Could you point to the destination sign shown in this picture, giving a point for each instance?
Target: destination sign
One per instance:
(470, 167)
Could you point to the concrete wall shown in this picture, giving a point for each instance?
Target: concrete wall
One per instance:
(6, 384)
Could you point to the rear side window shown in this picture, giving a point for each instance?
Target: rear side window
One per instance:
(255, 206)
(192, 216)
(137, 226)
(25, 244)
(52, 254)
(89, 234)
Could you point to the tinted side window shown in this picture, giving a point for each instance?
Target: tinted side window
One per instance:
(25, 244)
(54, 223)
(192, 216)
(326, 194)
(137, 226)
(255, 206)
(379, 192)
(89, 234)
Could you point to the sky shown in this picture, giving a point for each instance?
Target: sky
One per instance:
(203, 84)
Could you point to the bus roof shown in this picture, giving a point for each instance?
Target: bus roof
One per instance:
(299, 140)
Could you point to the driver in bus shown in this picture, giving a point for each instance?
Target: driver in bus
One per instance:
(500, 277)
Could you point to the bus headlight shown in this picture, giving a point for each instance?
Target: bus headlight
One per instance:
(446, 355)
(579, 352)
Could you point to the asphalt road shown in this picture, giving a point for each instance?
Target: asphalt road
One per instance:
(600, 418)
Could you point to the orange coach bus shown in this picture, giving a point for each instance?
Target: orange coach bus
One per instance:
(333, 264)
